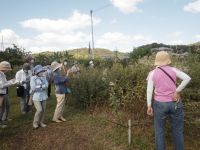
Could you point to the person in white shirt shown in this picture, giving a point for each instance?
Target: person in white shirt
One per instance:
(23, 78)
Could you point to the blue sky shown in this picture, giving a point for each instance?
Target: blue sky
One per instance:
(40, 25)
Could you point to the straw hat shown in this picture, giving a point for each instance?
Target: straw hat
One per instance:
(5, 66)
(55, 65)
(162, 59)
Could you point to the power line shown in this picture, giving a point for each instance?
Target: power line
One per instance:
(103, 7)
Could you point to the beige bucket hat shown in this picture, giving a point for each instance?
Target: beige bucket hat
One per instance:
(162, 59)
(5, 66)
(55, 65)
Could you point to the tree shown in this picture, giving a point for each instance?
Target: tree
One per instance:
(14, 55)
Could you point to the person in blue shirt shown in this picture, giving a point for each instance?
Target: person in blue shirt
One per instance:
(39, 86)
(61, 89)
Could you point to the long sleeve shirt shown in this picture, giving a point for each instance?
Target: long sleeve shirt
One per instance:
(4, 83)
(39, 87)
(162, 86)
(23, 78)
(60, 82)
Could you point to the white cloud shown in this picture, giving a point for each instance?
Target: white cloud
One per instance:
(198, 36)
(113, 40)
(46, 41)
(176, 42)
(9, 36)
(54, 34)
(127, 6)
(75, 22)
(36, 49)
(175, 34)
(193, 7)
(52, 41)
(69, 38)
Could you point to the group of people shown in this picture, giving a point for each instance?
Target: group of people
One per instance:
(161, 86)
(33, 86)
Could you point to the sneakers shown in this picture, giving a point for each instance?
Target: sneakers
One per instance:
(43, 125)
(35, 126)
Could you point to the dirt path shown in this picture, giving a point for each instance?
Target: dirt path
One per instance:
(81, 133)
(56, 137)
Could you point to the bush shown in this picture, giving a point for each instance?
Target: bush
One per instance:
(88, 88)
(117, 88)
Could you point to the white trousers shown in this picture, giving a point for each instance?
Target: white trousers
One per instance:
(60, 106)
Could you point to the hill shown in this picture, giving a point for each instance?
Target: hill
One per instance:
(147, 50)
(98, 52)
(197, 43)
(83, 53)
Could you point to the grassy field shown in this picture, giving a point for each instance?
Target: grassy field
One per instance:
(84, 130)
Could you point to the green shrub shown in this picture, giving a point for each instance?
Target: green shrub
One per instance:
(127, 92)
(88, 88)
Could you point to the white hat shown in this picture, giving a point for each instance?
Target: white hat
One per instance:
(91, 62)
(4, 65)
(55, 65)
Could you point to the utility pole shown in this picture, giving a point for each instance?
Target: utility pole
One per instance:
(92, 34)
(77, 54)
(89, 51)
(91, 12)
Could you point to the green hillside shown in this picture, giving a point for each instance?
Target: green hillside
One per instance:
(99, 53)
(197, 43)
(83, 53)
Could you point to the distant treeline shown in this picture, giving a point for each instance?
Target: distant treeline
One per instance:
(16, 55)
(145, 50)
